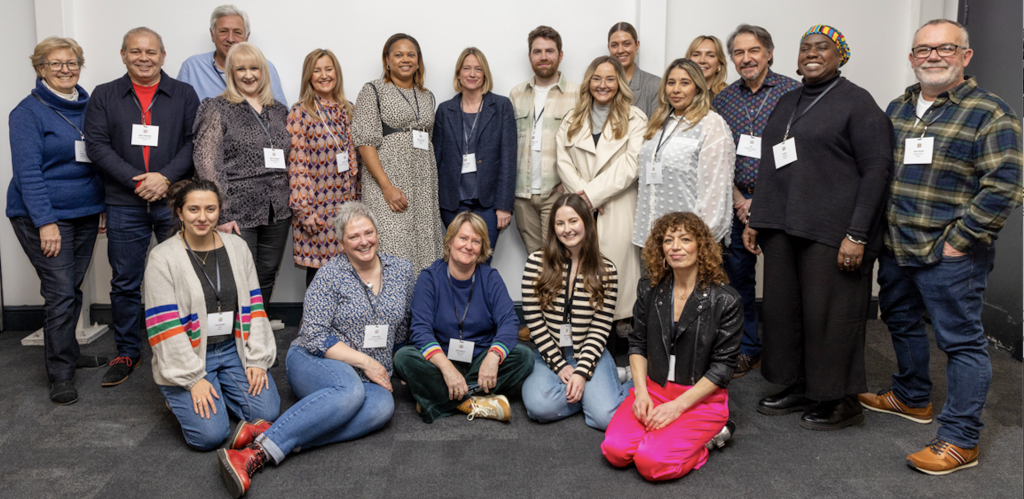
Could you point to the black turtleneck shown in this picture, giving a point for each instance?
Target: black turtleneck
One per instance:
(838, 183)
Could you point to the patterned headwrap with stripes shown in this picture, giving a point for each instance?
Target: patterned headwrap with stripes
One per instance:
(836, 37)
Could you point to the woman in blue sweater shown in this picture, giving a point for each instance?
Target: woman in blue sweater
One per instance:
(463, 336)
(54, 202)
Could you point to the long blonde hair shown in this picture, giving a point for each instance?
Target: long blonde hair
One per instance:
(618, 118)
(698, 108)
(719, 81)
(308, 96)
(241, 52)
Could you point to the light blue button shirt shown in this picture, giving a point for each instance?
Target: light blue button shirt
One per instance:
(201, 72)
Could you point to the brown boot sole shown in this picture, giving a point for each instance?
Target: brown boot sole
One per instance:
(900, 414)
(227, 472)
(943, 472)
(122, 380)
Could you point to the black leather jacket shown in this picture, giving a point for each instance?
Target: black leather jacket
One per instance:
(707, 335)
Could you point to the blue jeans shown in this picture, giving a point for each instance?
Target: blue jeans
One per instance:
(129, 231)
(739, 266)
(951, 292)
(335, 406)
(489, 215)
(544, 392)
(225, 372)
(60, 284)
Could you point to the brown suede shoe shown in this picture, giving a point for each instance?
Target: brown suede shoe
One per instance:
(941, 458)
(524, 334)
(745, 364)
(887, 402)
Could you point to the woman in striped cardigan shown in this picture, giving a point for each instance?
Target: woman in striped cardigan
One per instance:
(212, 343)
(571, 372)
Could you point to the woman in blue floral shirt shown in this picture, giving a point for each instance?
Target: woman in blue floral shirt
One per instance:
(355, 315)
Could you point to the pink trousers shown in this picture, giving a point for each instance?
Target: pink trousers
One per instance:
(674, 450)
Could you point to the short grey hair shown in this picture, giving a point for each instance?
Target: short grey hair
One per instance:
(350, 211)
(760, 33)
(228, 10)
(965, 39)
(138, 31)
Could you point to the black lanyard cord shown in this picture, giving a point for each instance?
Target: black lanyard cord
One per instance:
(793, 117)
(216, 260)
(472, 286)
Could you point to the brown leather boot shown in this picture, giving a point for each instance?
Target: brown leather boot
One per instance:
(246, 433)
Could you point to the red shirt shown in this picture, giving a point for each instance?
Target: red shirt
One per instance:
(145, 95)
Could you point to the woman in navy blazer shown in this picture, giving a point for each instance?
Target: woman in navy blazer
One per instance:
(475, 147)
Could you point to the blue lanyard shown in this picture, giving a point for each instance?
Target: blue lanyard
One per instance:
(216, 260)
(476, 118)
(79, 130)
(472, 286)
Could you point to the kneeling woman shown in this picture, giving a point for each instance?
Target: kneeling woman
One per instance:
(211, 340)
(355, 313)
(572, 371)
(682, 351)
(464, 332)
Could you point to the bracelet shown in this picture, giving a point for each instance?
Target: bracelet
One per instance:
(166, 179)
(855, 241)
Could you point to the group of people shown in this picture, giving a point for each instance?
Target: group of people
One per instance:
(396, 204)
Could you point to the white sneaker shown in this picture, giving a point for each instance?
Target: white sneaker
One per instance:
(625, 374)
(276, 325)
(490, 407)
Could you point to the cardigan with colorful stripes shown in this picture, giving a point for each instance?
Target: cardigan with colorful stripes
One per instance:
(176, 313)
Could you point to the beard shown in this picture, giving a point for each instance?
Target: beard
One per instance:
(545, 72)
(951, 74)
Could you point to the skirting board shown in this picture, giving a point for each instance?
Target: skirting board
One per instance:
(85, 336)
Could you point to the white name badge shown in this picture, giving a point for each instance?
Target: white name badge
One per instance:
(145, 135)
(376, 336)
(80, 154)
(749, 146)
(420, 140)
(219, 324)
(535, 139)
(653, 173)
(671, 367)
(565, 335)
(469, 163)
(273, 158)
(919, 151)
(785, 152)
(461, 351)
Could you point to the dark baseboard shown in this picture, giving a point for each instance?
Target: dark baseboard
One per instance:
(23, 317)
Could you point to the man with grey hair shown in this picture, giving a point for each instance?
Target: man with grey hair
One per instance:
(745, 105)
(205, 72)
(957, 178)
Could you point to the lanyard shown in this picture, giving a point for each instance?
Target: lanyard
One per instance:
(567, 308)
(139, 105)
(327, 124)
(79, 130)
(537, 118)
(216, 260)
(416, 109)
(758, 113)
(664, 126)
(366, 289)
(921, 119)
(266, 128)
(213, 62)
(793, 117)
(472, 285)
(465, 137)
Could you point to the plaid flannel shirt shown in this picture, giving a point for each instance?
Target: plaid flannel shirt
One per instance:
(972, 184)
(561, 99)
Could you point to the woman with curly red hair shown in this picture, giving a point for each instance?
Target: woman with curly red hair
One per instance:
(682, 353)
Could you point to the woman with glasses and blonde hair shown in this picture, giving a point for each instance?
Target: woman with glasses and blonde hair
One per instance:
(688, 157)
(598, 144)
(707, 52)
(241, 145)
(323, 165)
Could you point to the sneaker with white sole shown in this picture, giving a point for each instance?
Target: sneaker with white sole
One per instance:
(490, 407)
(625, 374)
(723, 436)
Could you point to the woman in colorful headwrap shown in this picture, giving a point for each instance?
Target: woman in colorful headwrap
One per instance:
(826, 157)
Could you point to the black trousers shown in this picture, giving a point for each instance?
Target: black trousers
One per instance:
(814, 317)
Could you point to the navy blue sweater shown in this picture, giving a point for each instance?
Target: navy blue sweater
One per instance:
(48, 184)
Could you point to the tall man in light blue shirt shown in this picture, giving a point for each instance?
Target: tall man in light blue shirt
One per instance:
(205, 72)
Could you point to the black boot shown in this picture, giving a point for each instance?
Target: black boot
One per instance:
(791, 399)
(833, 414)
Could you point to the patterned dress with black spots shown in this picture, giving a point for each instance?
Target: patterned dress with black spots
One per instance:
(416, 233)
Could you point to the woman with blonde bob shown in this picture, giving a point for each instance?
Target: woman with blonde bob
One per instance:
(707, 52)
(475, 146)
(688, 156)
(598, 143)
(323, 166)
(241, 145)
(682, 353)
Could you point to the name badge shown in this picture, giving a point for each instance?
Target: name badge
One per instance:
(653, 173)
(919, 151)
(565, 335)
(219, 324)
(420, 140)
(460, 351)
(145, 135)
(273, 158)
(535, 139)
(80, 154)
(469, 163)
(672, 368)
(749, 146)
(376, 336)
(785, 152)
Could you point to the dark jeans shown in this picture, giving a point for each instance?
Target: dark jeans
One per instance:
(739, 266)
(60, 283)
(267, 244)
(489, 215)
(951, 292)
(129, 232)
(429, 389)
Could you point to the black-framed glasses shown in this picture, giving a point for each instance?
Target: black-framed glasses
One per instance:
(944, 50)
(58, 66)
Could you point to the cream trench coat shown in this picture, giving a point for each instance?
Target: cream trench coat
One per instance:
(608, 172)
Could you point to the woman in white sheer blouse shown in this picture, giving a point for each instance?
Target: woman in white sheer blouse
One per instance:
(688, 156)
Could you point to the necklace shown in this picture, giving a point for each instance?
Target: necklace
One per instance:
(207, 252)
(369, 283)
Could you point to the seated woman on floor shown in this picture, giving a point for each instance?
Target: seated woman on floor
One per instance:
(356, 312)
(682, 351)
(464, 332)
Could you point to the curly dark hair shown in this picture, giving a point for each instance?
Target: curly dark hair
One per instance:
(709, 253)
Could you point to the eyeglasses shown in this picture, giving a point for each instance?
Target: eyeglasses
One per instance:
(57, 66)
(944, 50)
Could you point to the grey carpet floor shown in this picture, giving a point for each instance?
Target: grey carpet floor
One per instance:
(122, 442)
